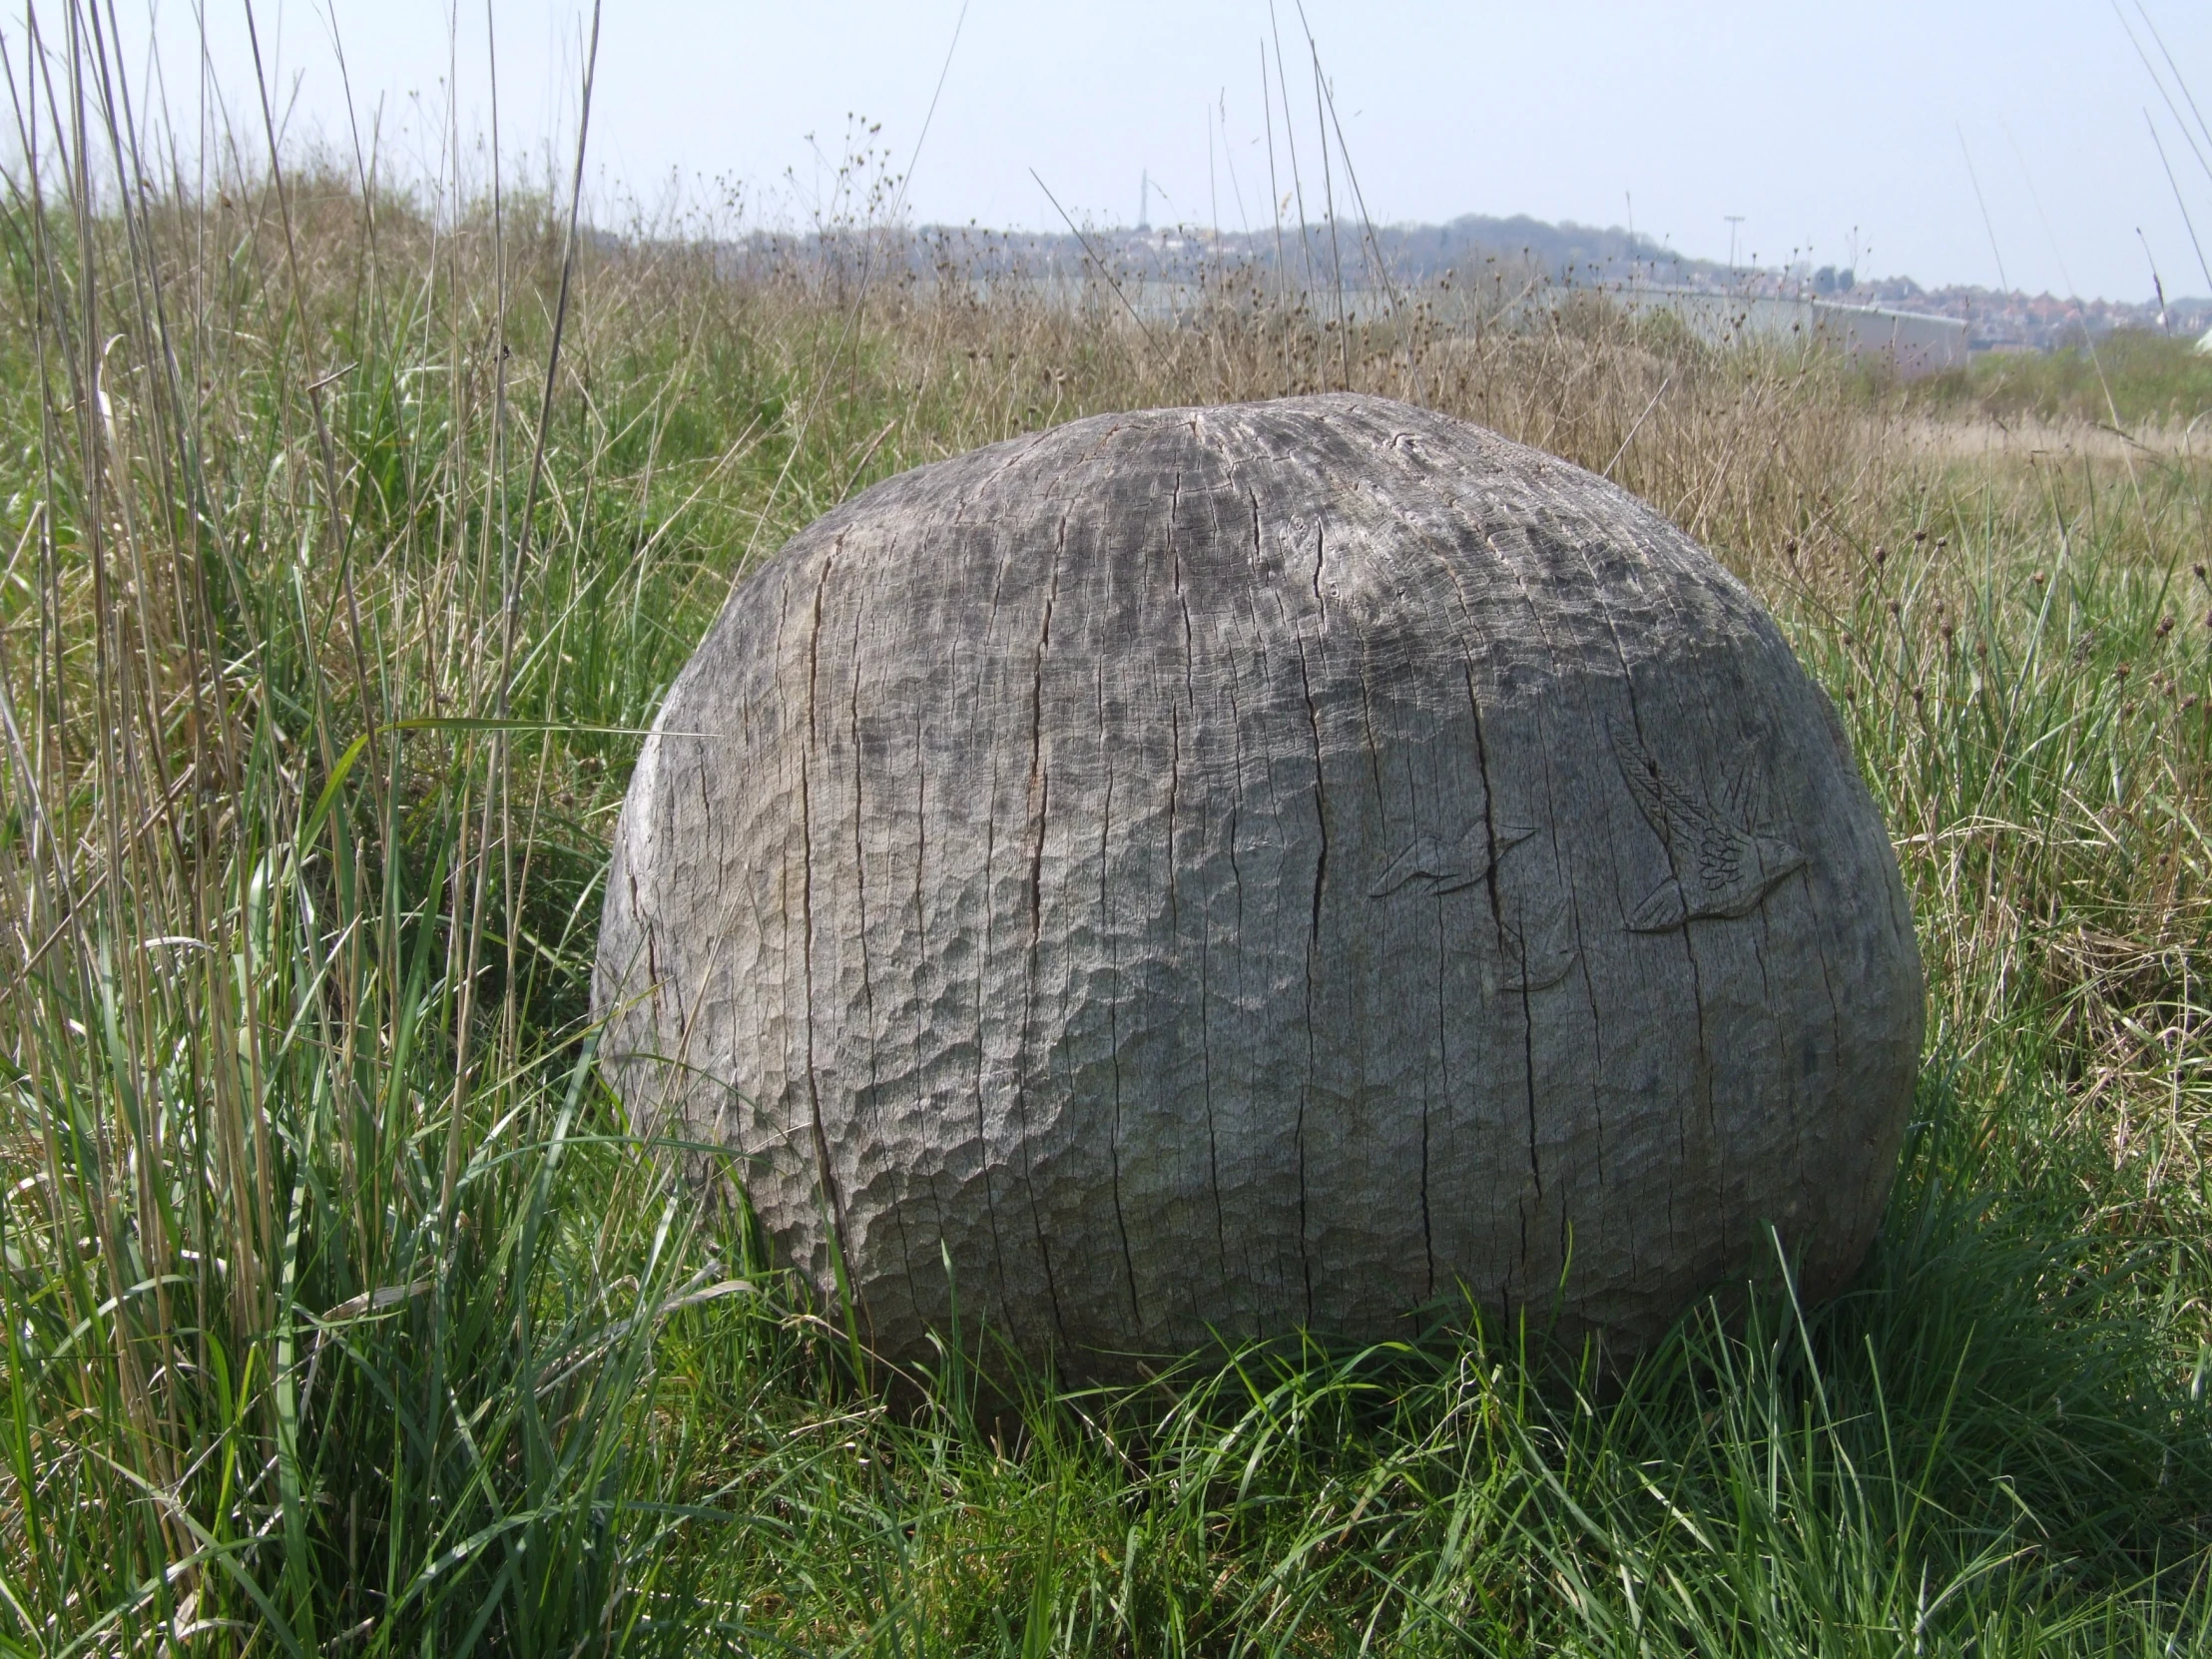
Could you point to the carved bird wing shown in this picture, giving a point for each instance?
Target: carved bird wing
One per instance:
(1428, 856)
(1663, 909)
(1717, 869)
(1450, 865)
(1539, 947)
(1433, 857)
(1504, 838)
(1680, 820)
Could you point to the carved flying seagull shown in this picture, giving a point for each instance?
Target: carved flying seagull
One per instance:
(1720, 868)
(1450, 865)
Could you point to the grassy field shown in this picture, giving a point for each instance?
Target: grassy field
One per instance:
(349, 543)
(2130, 377)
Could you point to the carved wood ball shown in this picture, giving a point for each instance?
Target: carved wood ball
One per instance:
(1216, 872)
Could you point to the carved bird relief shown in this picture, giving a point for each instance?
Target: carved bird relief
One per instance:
(1720, 868)
(1536, 943)
(1450, 865)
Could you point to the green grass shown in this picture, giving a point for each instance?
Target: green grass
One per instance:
(2131, 378)
(343, 1315)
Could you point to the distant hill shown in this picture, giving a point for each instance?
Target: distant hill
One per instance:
(1582, 254)
(1418, 253)
(1519, 249)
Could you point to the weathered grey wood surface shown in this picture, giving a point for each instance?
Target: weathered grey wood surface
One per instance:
(1238, 868)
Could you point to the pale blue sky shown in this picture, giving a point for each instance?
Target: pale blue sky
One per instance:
(1815, 123)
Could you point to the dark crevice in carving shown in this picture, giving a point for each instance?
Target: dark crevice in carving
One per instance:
(1175, 714)
(1597, 1029)
(1113, 1007)
(1237, 896)
(921, 945)
(1443, 1085)
(832, 1210)
(1205, 1087)
(1496, 845)
(652, 955)
(1039, 782)
(1537, 616)
(1237, 955)
(1312, 970)
(986, 956)
(859, 895)
(1175, 869)
(1276, 815)
(982, 1125)
(1174, 780)
(1497, 922)
(1703, 1071)
(1374, 773)
(1321, 560)
(1039, 799)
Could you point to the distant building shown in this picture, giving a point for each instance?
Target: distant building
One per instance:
(1918, 343)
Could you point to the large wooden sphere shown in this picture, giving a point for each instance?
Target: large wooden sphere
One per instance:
(1218, 872)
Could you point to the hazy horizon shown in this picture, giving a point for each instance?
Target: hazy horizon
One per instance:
(1854, 139)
